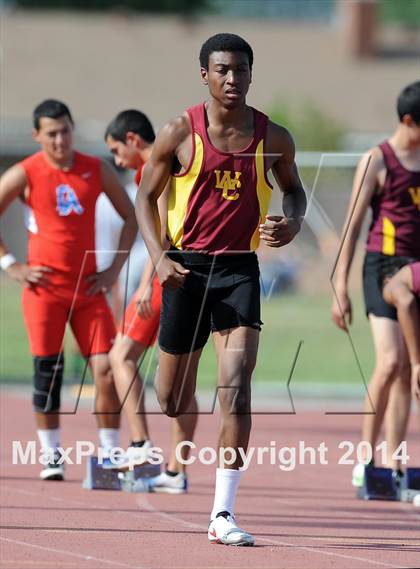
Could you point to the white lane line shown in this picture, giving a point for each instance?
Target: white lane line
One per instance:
(144, 503)
(70, 553)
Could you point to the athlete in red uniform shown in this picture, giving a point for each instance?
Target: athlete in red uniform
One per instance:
(216, 157)
(130, 138)
(388, 181)
(403, 291)
(59, 188)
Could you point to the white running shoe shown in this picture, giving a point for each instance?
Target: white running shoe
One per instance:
(165, 484)
(223, 529)
(134, 456)
(53, 470)
(358, 475)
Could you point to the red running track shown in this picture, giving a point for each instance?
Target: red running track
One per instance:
(305, 518)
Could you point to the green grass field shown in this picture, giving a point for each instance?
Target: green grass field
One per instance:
(326, 355)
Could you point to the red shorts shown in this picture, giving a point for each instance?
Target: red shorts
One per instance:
(143, 330)
(46, 313)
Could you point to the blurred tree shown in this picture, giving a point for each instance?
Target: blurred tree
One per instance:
(406, 12)
(311, 128)
(152, 6)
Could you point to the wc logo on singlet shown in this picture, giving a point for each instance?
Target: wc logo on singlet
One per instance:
(67, 201)
(228, 184)
(415, 194)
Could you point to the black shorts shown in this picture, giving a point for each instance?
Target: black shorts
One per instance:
(220, 293)
(377, 270)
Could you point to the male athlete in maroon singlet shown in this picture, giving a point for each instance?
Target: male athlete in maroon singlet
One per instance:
(59, 188)
(388, 181)
(403, 291)
(216, 156)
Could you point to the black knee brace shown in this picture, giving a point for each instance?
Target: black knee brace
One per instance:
(48, 378)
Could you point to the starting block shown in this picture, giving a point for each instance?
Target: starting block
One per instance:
(132, 483)
(410, 484)
(379, 484)
(98, 478)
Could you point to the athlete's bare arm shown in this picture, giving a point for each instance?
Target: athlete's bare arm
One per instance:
(154, 179)
(365, 184)
(121, 202)
(13, 185)
(399, 292)
(278, 230)
(143, 294)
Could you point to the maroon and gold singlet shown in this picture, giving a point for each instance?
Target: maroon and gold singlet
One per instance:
(395, 227)
(219, 202)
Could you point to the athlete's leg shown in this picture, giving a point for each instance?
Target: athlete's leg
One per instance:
(182, 429)
(45, 319)
(398, 409)
(388, 353)
(93, 326)
(236, 354)
(176, 380)
(236, 351)
(107, 404)
(124, 356)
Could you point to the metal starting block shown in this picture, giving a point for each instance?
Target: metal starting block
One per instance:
(379, 484)
(410, 484)
(98, 478)
(132, 483)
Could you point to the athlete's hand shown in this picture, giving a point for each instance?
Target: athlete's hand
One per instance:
(342, 311)
(171, 274)
(102, 282)
(143, 298)
(278, 230)
(27, 275)
(415, 381)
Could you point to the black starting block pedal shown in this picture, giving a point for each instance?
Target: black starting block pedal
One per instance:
(410, 484)
(379, 484)
(98, 478)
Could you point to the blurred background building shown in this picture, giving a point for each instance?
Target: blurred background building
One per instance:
(329, 70)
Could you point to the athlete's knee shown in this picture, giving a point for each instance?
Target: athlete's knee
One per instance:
(48, 378)
(116, 357)
(235, 400)
(173, 406)
(403, 380)
(101, 369)
(387, 368)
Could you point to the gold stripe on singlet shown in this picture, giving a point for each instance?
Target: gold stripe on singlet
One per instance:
(181, 187)
(388, 231)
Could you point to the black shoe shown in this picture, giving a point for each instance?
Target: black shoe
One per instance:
(53, 470)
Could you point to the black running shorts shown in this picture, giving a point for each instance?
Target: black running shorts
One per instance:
(377, 270)
(220, 293)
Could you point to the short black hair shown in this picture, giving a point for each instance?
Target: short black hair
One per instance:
(225, 42)
(408, 102)
(130, 121)
(51, 109)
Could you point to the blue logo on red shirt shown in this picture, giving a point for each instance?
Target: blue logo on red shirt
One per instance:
(67, 201)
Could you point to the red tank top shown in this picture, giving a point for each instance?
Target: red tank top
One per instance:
(395, 227)
(60, 214)
(219, 202)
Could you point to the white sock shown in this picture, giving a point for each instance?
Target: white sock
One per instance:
(49, 439)
(227, 482)
(109, 438)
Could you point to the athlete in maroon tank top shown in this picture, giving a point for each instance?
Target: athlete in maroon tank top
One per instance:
(218, 203)
(395, 227)
(387, 180)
